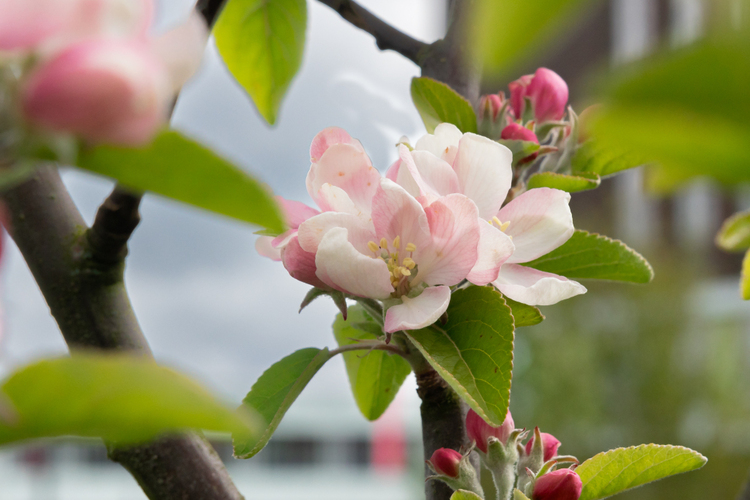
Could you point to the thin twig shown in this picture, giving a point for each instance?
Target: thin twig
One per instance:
(386, 36)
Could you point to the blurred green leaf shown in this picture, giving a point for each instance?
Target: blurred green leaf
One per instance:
(121, 398)
(618, 470)
(179, 168)
(570, 183)
(275, 391)
(524, 315)
(592, 158)
(734, 235)
(507, 30)
(465, 495)
(686, 111)
(375, 376)
(745, 277)
(438, 103)
(520, 149)
(592, 256)
(262, 43)
(473, 351)
(517, 495)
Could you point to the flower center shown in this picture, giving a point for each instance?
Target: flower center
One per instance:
(501, 225)
(400, 268)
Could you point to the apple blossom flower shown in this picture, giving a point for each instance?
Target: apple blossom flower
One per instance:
(480, 431)
(547, 92)
(445, 461)
(550, 444)
(538, 221)
(563, 484)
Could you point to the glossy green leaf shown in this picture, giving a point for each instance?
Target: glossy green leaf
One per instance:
(734, 235)
(473, 351)
(262, 43)
(524, 315)
(507, 30)
(375, 376)
(275, 391)
(592, 158)
(121, 398)
(592, 256)
(745, 277)
(465, 495)
(615, 471)
(438, 103)
(181, 169)
(569, 183)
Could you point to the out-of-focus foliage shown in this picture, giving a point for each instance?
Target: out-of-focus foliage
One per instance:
(438, 103)
(262, 42)
(120, 398)
(570, 183)
(473, 351)
(375, 376)
(734, 235)
(179, 168)
(587, 255)
(274, 393)
(615, 471)
(465, 495)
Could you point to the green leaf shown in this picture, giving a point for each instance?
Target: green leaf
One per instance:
(506, 31)
(374, 376)
(618, 470)
(517, 495)
(465, 495)
(438, 103)
(179, 168)
(121, 398)
(745, 277)
(570, 183)
(592, 158)
(520, 149)
(274, 393)
(261, 42)
(524, 315)
(473, 351)
(592, 256)
(734, 234)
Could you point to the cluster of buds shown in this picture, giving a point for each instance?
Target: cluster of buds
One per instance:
(531, 468)
(91, 70)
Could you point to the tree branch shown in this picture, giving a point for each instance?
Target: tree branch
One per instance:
(80, 274)
(386, 36)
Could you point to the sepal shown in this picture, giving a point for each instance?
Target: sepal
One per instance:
(338, 298)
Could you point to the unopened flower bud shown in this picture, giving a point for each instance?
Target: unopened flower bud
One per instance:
(563, 484)
(550, 444)
(445, 461)
(491, 105)
(548, 93)
(518, 94)
(480, 431)
(518, 132)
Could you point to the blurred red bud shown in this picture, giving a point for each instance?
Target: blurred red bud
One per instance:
(480, 431)
(518, 132)
(445, 461)
(548, 93)
(493, 103)
(518, 93)
(550, 444)
(563, 484)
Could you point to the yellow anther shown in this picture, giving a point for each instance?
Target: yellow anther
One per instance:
(373, 247)
(411, 247)
(396, 273)
(397, 242)
(497, 221)
(409, 263)
(383, 243)
(404, 271)
(504, 226)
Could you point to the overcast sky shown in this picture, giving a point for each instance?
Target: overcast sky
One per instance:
(207, 302)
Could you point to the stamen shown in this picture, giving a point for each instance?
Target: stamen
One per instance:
(502, 225)
(373, 247)
(411, 247)
(404, 271)
(383, 243)
(409, 263)
(397, 242)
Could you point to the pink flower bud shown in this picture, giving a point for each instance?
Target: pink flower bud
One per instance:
(518, 93)
(480, 431)
(563, 484)
(493, 103)
(550, 444)
(445, 461)
(549, 95)
(103, 91)
(518, 132)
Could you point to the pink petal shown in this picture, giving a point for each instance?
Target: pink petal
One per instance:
(408, 177)
(437, 174)
(392, 172)
(443, 143)
(419, 312)
(535, 288)
(495, 247)
(454, 227)
(295, 212)
(540, 221)
(301, 264)
(346, 167)
(484, 172)
(395, 213)
(327, 138)
(181, 49)
(312, 231)
(264, 247)
(26, 23)
(335, 199)
(342, 266)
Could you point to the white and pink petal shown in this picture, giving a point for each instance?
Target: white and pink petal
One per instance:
(313, 230)
(495, 247)
(301, 264)
(535, 288)
(349, 168)
(443, 143)
(419, 312)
